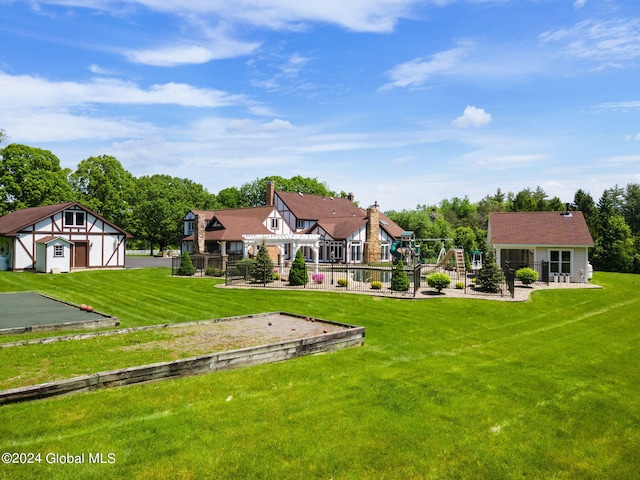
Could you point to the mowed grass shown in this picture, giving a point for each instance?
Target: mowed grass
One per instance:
(443, 388)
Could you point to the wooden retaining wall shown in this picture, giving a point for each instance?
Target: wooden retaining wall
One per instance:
(352, 336)
(82, 325)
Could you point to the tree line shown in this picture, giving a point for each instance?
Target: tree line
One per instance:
(614, 222)
(151, 207)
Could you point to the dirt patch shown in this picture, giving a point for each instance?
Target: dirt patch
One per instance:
(234, 334)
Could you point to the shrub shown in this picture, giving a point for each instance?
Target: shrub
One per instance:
(186, 266)
(343, 282)
(298, 274)
(214, 272)
(276, 276)
(527, 275)
(242, 268)
(438, 281)
(317, 277)
(459, 285)
(399, 278)
(376, 285)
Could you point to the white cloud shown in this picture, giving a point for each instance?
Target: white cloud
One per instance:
(35, 126)
(622, 105)
(503, 162)
(98, 70)
(356, 15)
(248, 126)
(21, 91)
(611, 42)
(579, 3)
(416, 72)
(173, 55)
(472, 117)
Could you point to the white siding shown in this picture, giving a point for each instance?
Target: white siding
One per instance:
(286, 214)
(106, 245)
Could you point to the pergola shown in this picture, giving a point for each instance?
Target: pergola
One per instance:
(296, 240)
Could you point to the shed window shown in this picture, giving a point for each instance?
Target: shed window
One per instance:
(58, 251)
(73, 219)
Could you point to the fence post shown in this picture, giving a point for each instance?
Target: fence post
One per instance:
(417, 278)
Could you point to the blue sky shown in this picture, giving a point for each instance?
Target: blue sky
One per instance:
(403, 102)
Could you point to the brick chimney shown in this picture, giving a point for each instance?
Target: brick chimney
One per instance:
(372, 246)
(271, 193)
(351, 197)
(198, 233)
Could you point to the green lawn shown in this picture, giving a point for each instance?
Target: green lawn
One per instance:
(443, 388)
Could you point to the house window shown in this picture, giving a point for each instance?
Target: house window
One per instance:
(356, 252)
(335, 252)
(73, 219)
(299, 224)
(560, 261)
(384, 253)
(58, 251)
(234, 247)
(189, 228)
(275, 223)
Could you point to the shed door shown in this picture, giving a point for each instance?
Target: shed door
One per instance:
(80, 256)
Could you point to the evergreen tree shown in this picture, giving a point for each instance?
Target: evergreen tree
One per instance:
(186, 266)
(298, 274)
(262, 269)
(490, 276)
(399, 278)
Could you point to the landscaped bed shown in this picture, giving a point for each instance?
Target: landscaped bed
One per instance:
(188, 349)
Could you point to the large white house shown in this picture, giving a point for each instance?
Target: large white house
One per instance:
(325, 228)
(60, 238)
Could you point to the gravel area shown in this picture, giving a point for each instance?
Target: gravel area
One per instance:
(521, 293)
(237, 333)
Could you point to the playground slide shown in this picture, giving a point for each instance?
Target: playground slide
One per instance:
(394, 250)
(456, 253)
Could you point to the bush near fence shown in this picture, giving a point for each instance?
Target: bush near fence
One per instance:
(338, 277)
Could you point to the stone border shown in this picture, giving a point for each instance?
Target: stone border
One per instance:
(352, 336)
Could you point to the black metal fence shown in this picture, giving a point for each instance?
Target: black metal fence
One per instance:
(205, 263)
(352, 277)
(328, 277)
(541, 267)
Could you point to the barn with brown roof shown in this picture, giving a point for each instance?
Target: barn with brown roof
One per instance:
(526, 238)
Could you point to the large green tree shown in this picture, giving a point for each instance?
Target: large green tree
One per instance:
(615, 248)
(631, 207)
(528, 200)
(31, 177)
(584, 203)
(254, 193)
(102, 184)
(161, 201)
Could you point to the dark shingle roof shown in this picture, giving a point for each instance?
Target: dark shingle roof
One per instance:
(237, 222)
(339, 217)
(13, 222)
(538, 228)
